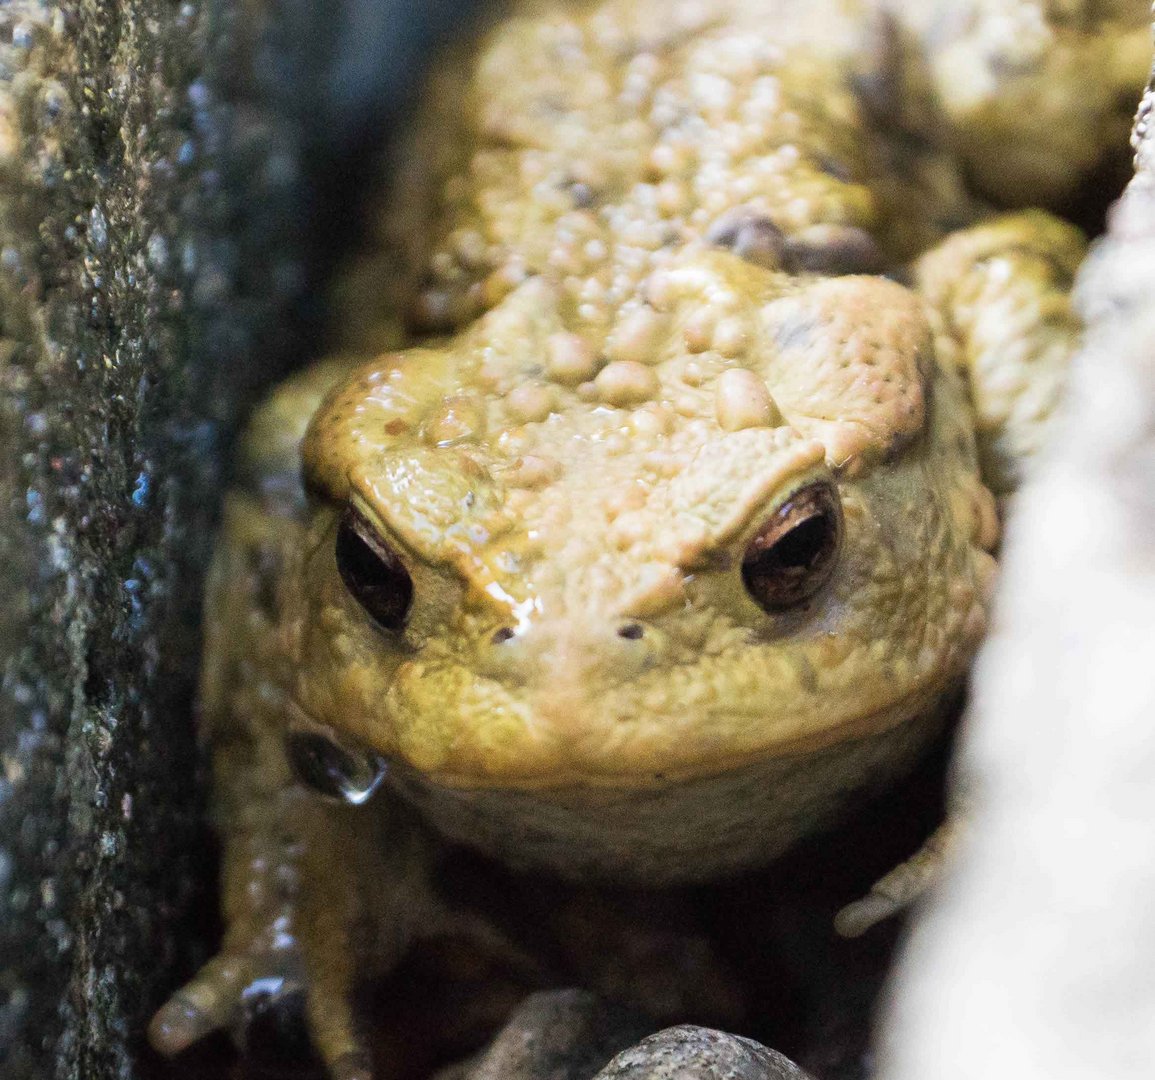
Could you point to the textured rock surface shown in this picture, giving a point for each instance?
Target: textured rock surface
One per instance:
(100, 430)
(697, 1053)
(160, 165)
(1036, 961)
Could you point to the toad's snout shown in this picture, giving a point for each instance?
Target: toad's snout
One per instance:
(582, 653)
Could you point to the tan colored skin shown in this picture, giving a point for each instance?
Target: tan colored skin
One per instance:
(650, 252)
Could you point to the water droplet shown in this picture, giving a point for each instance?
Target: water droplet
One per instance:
(330, 769)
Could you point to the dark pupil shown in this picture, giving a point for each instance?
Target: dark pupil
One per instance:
(800, 547)
(795, 553)
(373, 573)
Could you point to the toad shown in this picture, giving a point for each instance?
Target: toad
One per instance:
(646, 512)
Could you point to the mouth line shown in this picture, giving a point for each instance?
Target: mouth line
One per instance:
(923, 700)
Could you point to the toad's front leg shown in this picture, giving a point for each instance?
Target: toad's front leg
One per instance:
(316, 894)
(1003, 292)
(316, 899)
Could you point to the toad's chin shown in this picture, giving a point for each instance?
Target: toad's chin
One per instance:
(667, 831)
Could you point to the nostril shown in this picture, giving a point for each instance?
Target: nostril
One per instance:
(500, 637)
(631, 631)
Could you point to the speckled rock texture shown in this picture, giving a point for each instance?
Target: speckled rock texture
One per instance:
(99, 430)
(1036, 960)
(161, 252)
(697, 1053)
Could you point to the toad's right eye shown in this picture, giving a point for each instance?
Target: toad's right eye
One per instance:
(795, 551)
(373, 572)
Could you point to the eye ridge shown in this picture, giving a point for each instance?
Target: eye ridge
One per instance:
(373, 572)
(795, 552)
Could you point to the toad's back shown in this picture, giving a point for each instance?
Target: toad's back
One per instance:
(587, 147)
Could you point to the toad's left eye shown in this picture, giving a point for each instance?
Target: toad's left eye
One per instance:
(794, 553)
(373, 572)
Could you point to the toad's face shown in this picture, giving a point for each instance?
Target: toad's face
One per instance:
(744, 524)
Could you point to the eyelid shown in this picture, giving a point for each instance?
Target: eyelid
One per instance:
(740, 542)
(379, 527)
(458, 553)
(726, 487)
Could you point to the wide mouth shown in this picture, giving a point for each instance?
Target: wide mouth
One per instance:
(536, 748)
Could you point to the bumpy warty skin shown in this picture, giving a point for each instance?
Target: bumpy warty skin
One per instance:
(655, 275)
(562, 511)
(645, 389)
(604, 508)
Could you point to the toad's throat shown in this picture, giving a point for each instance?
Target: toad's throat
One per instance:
(665, 829)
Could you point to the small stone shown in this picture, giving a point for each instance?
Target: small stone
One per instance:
(531, 403)
(626, 382)
(742, 401)
(697, 1053)
(569, 359)
(638, 336)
